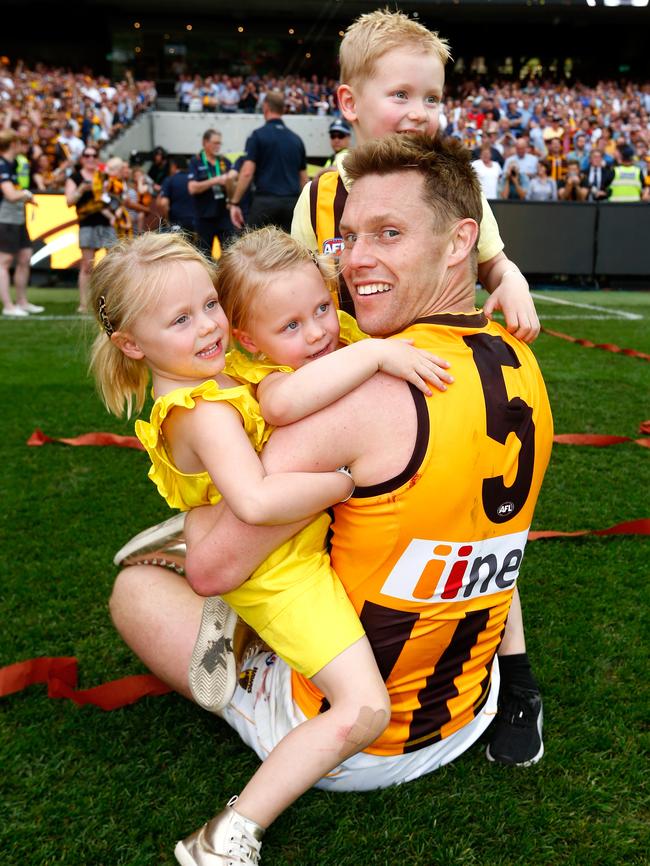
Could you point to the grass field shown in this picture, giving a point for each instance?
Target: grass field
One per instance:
(80, 786)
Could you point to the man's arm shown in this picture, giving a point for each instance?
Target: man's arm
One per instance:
(372, 430)
(246, 174)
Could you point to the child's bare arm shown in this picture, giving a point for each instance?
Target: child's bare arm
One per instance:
(217, 437)
(288, 397)
(509, 293)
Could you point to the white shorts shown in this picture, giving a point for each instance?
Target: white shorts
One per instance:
(262, 711)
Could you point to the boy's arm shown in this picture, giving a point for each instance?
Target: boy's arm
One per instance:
(301, 227)
(288, 397)
(509, 293)
(218, 439)
(504, 281)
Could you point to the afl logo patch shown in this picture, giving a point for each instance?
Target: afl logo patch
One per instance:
(333, 247)
(505, 508)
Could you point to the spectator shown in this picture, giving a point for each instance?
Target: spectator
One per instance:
(581, 150)
(554, 130)
(490, 130)
(15, 245)
(209, 177)
(570, 188)
(85, 190)
(514, 184)
(488, 172)
(556, 161)
(596, 180)
(159, 168)
(542, 187)
(275, 157)
(248, 98)
(525, 160)
(176, 205)
(69, 146)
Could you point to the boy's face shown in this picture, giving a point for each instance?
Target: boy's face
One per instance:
(403, 95)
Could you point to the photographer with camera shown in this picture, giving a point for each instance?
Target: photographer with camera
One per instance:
(570, 189)
(514, 184)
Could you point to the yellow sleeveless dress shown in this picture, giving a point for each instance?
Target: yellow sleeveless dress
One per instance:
(293, 600)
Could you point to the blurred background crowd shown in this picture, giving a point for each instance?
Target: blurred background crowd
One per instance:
(547, 130)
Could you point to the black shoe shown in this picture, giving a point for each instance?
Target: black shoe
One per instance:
(517, 728)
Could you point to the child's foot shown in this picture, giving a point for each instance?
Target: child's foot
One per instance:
(213, 669)
(162, 544)
(227, 838)
(31, 308)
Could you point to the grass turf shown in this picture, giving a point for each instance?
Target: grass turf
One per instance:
(80, 786)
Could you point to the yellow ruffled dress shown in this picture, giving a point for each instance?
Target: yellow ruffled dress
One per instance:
(293, 600)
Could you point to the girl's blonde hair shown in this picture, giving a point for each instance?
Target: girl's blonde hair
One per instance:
(250, 261)
(127, 282)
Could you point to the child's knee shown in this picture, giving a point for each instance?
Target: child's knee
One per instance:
(369, 723)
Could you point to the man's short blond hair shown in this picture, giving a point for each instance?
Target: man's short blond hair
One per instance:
(374, 34)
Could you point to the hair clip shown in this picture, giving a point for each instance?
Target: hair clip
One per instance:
(106, 322)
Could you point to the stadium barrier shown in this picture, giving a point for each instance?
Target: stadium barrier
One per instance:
(586, 240)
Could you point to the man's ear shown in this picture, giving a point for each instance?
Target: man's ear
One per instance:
(347, 102)
(126, 344)
(245, 339)
(463, 240)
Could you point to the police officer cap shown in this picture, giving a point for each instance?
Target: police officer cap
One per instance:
(340, 125)
(627, 152)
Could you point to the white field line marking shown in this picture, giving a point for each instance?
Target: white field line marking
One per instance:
(621, 314)
(578, 318)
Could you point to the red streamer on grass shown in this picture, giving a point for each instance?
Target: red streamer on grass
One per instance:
(60, 675)
(631, 527)
(598, 440)
(39, 438)
(608, 347)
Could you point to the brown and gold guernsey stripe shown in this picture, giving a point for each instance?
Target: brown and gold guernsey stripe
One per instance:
(430, 557)
(327, 196)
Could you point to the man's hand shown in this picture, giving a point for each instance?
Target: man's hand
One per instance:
(236, 216)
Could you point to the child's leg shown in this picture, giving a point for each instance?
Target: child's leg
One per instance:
(359, 712)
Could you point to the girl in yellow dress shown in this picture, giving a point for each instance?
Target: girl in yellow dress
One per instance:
(158, 304)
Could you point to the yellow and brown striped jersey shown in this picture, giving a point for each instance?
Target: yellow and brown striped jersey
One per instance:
(430, 558)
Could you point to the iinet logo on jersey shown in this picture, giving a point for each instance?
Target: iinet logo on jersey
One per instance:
(445, 571)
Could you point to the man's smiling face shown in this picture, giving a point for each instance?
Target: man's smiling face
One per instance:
(393, 262)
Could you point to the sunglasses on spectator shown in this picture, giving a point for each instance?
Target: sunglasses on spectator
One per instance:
(338, 134)
(90, 155)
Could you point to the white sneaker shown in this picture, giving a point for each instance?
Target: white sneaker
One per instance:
(229, 839)
(15, 312)
(32, 308)
(212, 675)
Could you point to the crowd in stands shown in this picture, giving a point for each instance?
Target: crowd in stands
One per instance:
(530, 139)
(56, 113)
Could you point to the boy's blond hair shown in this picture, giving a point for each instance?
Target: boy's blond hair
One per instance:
(374, 34)
(251, 261)
(123, 286)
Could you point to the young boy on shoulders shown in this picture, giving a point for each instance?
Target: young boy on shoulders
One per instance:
(392, 80)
